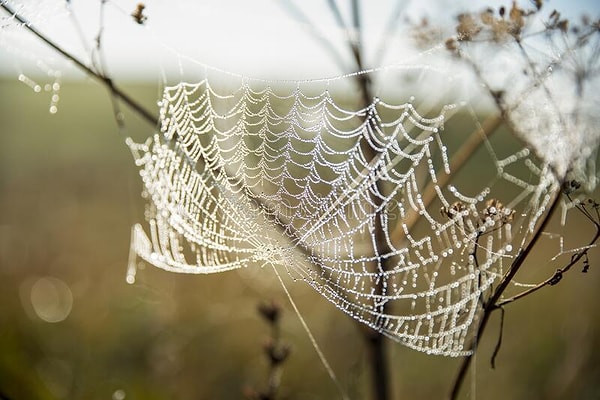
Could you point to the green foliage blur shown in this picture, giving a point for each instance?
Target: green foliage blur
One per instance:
(69, 193)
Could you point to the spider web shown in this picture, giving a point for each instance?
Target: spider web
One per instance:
(338, 195)
(329, 193)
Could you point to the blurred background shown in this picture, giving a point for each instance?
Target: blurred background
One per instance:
(72, 328)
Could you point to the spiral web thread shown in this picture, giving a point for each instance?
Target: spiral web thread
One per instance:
(254, 178)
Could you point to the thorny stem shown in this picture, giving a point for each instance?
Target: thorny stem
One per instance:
(376, 341)
(492, 303)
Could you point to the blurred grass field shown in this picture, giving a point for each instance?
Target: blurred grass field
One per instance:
(69, 193)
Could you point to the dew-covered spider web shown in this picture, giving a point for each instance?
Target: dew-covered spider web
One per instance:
(348, 200)
(366, 204)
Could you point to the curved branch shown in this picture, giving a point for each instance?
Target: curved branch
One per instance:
(553, 280)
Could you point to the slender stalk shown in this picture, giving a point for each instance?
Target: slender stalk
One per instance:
(378, 354)
(492, 303)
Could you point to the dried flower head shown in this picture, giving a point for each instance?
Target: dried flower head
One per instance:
(138, 14)
(455, 209)
(496, 211)
(271, 311)
(468, 27)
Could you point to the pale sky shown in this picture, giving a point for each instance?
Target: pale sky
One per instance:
(255, 38)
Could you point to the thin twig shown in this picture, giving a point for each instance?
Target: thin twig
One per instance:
(379, 364)
(555, 277)
(390, 27)
(499, 342)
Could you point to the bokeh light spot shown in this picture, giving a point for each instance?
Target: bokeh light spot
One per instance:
(51, 299)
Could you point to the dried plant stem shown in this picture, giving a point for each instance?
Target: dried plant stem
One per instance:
(493, 303)
(378, 355)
